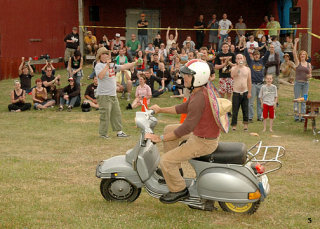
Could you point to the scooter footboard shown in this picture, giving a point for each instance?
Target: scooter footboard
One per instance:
(117, 167)
(227, 185)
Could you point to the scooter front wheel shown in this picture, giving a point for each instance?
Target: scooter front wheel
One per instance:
(119, 190)
(246, 208)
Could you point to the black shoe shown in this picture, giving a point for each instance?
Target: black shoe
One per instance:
(259, 119)
(229, 114)
(129, 107)
(159, 172)
(173, 197)
(302, 120)
(250, 121)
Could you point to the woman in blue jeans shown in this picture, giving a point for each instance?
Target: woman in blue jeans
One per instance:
(301, 84)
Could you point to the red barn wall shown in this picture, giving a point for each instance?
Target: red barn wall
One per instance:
(51, 20)
(315, 25)
(22, 20)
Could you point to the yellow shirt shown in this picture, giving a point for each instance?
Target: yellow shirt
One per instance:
(274, 25)
(89, 41)
(119, 76)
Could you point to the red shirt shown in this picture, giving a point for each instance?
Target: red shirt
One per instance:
(199, 118)
(263, 26)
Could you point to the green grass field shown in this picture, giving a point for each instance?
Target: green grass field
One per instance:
(48, 161)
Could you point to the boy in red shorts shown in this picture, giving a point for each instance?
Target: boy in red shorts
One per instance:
(269, 98)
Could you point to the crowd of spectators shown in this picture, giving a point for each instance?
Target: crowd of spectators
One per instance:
(155, 67)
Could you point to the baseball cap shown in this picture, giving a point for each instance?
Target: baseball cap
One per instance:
(117, 34)
(70, 78)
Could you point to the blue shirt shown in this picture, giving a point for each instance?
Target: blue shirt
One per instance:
(256, 67)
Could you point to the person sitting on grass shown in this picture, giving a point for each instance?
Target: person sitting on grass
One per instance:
(18, 99)
(124, 83)
(150, 78)
(143, 61)
(269, 97)
(121, 58)
(49, 81)
(70, 95)
(142, 91)
(288, 70)
(75, 64)
(25, 74)
(164, 74)
(90, 94)
(40, 97)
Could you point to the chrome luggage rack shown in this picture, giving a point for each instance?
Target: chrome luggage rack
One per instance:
(279, 152)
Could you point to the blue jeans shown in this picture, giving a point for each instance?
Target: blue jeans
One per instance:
(222, 40)
(93, 74)
(73, 101)
(255, 90)
(143, 41)
(300, 89)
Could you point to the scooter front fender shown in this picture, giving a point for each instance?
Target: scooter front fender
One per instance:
(225, 184)
(117, 167)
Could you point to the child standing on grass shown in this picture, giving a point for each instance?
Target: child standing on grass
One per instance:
(269, 97)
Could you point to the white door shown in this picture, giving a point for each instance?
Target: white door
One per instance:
(152, 16)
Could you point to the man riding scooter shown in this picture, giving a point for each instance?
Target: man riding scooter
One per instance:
(200, 128)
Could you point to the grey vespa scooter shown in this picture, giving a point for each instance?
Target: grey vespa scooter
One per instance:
(231, 175)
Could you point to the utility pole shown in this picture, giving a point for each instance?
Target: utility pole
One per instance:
(81, 23)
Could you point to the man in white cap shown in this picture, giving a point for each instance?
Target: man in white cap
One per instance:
(201, 128)
(106, 93)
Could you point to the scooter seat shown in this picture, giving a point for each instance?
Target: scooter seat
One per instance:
(227, 153)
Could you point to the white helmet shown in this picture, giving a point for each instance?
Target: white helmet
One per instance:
(199, 70)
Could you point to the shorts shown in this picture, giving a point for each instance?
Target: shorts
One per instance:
(225, 85)
(268, 109)
(213, 39)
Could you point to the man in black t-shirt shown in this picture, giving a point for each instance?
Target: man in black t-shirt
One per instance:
(154, 65)
(25, 74)
(150, 82)
(199, 33)
(143, 33)
(49, 81)
(224, 62)
(72, 44)
(89, 95)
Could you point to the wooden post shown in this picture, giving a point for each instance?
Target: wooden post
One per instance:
(81, 23)
(310, 6)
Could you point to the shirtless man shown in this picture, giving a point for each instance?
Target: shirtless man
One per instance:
(241, 75)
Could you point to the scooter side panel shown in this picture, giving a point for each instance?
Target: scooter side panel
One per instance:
(118, 165)
(148, 161)
(225, 184)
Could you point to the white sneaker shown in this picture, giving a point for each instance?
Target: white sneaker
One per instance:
(122, 135)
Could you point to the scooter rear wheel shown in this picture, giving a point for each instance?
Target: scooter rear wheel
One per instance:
(246, 208)
(119, 190)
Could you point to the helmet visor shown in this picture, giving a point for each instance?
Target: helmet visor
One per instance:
(185, 70)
